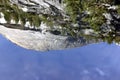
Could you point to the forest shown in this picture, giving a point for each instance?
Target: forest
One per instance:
(101, 17)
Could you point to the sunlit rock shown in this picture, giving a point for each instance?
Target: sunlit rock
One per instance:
(39, 41)
(43, 39)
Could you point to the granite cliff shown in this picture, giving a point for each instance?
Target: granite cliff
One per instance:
(42, 40)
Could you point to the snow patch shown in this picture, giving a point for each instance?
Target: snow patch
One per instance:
(113, 7)
(88, 31)
(24, 9)
(2, 20)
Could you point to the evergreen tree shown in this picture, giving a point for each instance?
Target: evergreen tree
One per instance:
(82, 14)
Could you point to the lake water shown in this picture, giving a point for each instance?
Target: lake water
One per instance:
(92, 62)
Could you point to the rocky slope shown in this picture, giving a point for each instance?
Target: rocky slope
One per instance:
(36, 40)
(39, 41)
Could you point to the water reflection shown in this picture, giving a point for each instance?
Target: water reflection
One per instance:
(92, 62)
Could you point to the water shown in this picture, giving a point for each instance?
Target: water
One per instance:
(91, 62)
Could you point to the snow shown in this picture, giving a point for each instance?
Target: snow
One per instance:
(24, 9)
(107, 5)
(107, 16)
(113, 7)
(41, 3)
(88, 31)
(2, 20)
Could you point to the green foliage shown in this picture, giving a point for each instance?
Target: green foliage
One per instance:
(73, 8)
(34, 20)
(48, 19)
(93, 9)
(12, 12)
(95, 18)
(7, 16)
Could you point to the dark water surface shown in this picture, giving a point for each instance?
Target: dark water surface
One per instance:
(92, 62)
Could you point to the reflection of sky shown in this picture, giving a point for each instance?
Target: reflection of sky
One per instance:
(93, 62)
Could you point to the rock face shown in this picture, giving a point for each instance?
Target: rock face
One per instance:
(38, 40)
(41, 6)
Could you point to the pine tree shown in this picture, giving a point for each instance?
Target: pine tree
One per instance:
(83, 14)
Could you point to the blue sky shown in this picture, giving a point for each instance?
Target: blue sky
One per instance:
(91, 62)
